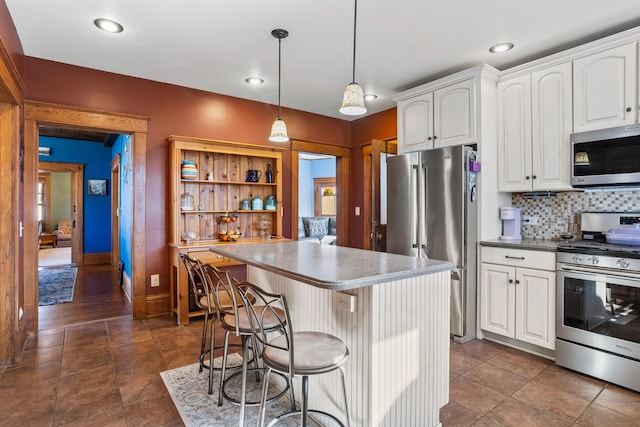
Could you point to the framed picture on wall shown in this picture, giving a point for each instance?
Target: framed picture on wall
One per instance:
(97, 187)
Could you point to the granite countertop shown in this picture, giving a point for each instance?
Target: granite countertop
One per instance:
(535, 244)
(331, 267)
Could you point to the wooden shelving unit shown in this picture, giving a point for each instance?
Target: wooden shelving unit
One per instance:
(218, 190)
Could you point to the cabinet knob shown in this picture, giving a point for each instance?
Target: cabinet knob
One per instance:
(517, 282)
(510, 280)
(628, 109)
(527, 177)
(534, 177)
(429, 138)
(435, 137)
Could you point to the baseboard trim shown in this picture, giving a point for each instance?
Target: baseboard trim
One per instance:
(158, 304)
(97, 258)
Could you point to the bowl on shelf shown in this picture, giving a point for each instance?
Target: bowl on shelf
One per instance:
(189, 236)
(231, 236)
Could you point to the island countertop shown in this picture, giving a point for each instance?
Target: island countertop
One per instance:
(328, 266)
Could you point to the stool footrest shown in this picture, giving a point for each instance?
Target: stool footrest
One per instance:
(299, 412)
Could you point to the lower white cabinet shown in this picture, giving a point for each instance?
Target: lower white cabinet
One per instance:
(517, 295)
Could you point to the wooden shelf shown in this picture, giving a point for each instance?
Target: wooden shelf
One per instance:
(226, 163)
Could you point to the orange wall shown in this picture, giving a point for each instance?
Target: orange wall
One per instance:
(178, 111)
(382, 126)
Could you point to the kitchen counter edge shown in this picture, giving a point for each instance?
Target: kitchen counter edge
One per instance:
(530, 244)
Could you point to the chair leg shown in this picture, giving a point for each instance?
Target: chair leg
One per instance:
(263, 397)
(304, 413)
(224, 366)
(291, 395)
(211, 354)
(203, 343)
(243, 388)
(344, 391)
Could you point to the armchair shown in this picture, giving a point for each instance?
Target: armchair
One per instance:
(65, 228)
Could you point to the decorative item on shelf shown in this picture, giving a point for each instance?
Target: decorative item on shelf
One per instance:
(245, 205)
(269, 173)
(189, 170)
(270, 203)
(263, 224)
(227, 218)
(186, 202)
(229, 236)
(189, 236)
(257, 204)
(209, 176)
(253, 175)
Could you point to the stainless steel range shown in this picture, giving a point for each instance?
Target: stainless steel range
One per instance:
(598, 294)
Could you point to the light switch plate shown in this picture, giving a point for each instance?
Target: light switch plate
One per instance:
(155, 280)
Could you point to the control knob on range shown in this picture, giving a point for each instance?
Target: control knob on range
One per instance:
(577, 259)
(623, 263)
(593, 260)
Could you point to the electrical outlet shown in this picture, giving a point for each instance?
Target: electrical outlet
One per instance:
(155, 280)
(344, 301)
(530, 220)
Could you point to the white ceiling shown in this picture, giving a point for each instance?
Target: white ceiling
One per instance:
(213, 45)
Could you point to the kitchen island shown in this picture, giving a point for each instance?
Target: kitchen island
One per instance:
(397, 332)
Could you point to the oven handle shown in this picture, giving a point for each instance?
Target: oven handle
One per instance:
(611, 273)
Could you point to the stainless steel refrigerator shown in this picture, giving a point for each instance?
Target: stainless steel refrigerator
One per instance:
(432, 212)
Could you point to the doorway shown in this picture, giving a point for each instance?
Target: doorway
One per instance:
(342, 168)
(37, 114)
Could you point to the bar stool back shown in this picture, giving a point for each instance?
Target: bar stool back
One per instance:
(304, 353)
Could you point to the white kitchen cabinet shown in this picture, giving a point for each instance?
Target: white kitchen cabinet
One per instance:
(534, 125)
(438, 118)
(605, 89)
(517, 295)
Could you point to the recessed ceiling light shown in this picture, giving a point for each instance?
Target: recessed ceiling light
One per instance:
(501, 47)
(108, 25)
(254, 80)
(370, 96)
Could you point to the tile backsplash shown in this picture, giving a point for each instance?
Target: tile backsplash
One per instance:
(555, 213)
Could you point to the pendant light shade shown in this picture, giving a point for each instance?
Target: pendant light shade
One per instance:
(353, 99)
(279, 128)
(278, 131)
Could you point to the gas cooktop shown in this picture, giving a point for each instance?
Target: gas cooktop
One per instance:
(589, 247)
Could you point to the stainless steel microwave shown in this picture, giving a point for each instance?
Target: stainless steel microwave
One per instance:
(606, 157)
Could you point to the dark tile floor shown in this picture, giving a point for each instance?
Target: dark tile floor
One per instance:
(494, 385)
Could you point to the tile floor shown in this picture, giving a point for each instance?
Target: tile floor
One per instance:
(494, 385)
(105, 373)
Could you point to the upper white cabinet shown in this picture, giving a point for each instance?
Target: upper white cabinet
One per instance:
(534, 124)
(439, 114)
(605, 89)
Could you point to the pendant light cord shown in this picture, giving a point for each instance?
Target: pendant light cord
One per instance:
(355, 19)
(279, 72)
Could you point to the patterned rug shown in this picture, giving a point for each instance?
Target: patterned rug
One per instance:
(188, 389)
(56, 284)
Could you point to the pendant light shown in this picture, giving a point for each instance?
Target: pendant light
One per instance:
(353, 100)
(279, 128)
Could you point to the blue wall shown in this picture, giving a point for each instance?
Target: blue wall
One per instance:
(123, 147)
(307, 170)
(97, 160)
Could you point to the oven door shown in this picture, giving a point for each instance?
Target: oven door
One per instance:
(599, 309)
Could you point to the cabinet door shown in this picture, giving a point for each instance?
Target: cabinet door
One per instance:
(497, 299)
(605, 89)
(514, 134)
(551, 126)
(415, 123)
(455, 114)
(535, 307)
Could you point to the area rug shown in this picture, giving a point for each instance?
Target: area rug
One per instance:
(54, 256)
(55, 284)
(188, 389)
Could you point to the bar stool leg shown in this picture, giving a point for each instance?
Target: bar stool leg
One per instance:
(203, 343)
(305, 403)
(344, 391)
(243, 395)
(211, 351)
(224, 366)
(263, 398)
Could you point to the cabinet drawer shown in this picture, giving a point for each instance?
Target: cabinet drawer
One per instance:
(208, 257)
(540, 260)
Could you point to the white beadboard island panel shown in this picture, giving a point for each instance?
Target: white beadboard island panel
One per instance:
(398, 336)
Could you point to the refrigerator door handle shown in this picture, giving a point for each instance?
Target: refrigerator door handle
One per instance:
(415, 221)
(424, 230)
